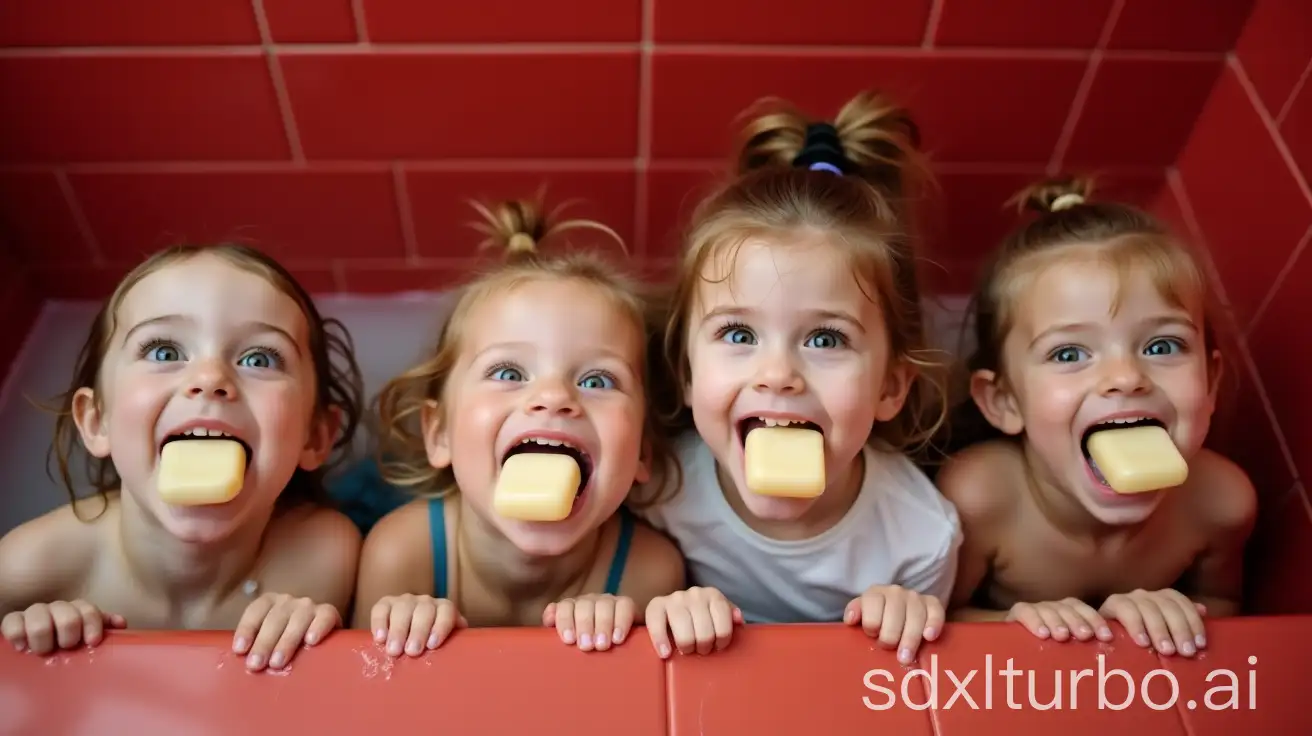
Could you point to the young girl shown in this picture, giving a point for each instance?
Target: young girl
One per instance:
(542, 352)
(1091, 317)
(797, 304)
(196, 341)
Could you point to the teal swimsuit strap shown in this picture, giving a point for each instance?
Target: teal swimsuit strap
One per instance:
(616, 573)
(437, 531)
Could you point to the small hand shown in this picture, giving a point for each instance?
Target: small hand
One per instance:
(1061, 619)
(1165, 617)
(701, 620)
(600, 620)
(43, 627)
(900, 617)
(413, 623)
(275, 625)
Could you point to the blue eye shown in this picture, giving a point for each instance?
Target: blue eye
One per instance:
(597, 381)
(506, 373)
(1163, 346)
(1067, 354)
(160, 351)
(826, 340)
(263, 358)
(737, 335)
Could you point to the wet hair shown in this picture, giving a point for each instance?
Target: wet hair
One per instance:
(853, 182)
(1069, 223)
(518, 229)
(338, 383)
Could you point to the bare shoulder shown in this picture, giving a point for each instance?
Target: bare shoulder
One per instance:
(397, 554)
(655, 566)
(984, 481)
(1222, 495)
(51, 557)
(316, 549)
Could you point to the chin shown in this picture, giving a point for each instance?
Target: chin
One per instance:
(775, 508)
(201, 524)
(1116, 509)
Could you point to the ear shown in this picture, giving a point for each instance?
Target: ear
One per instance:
(90, 420)
(897, 384)
(437, 441)
(995, 402)
(643, 473)
(323, 433)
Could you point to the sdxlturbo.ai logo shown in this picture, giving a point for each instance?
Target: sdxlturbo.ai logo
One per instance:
(1115, 688)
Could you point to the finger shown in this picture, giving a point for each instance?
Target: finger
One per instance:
(722, 621)
(895, 616)
(625, 612)
(935, 617)
(398, 626)
(584, 611)
(379, 616)
(1092, 619)
(298, 624)
(421, 627)
(249, 625)
(447, 620)
(14, 631)
(1182, 620)
(913, 629)
(657, 624)
(682, 628)
(1028, 616)
(1193, 613)
(1123, 610)
(872, 613)
(270, 631)
(115, 621)
(1073, 620)
(68, 624)
(565, 621)
(852, 614)
(603, 623)
(1154, 623)
(1052, 621)
(92, 624)
(326, 618)
(549, 616)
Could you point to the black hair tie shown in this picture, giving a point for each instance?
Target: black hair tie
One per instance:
(823, 150)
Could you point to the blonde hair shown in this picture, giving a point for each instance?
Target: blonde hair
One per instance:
(1071, 223)
(860, 196)
(337, 384)
(517, 228)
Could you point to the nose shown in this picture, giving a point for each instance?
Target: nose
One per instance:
(210, 379)
(1123, 375)
(778, 372)
(552, 396)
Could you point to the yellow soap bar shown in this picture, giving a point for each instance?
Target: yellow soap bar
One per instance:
(197, 472)
(537, 486)
(785, 461)
(1137, 459)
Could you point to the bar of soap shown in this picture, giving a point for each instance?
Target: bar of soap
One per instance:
(1137, 459)
(537, 486)
(785, 461)
(200, 472)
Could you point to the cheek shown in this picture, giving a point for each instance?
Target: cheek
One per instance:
(1051, 400)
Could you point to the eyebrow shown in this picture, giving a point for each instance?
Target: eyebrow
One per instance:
(257, 325)
(601, 352)
(1154, 322)
(820, 314)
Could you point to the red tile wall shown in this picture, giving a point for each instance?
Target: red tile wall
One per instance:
(346, 135)
(1241, 184)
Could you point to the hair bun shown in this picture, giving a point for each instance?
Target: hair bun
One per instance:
(519, 227)
(1054, 195)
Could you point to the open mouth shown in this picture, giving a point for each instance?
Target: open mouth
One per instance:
(556, 447)
(208, 434)
(745, 426)
(1119, 423)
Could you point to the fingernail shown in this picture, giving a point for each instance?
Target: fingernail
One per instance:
(432, 641)
(617, 637)
(665, 651)
(311, 638)
(1062, 631)
(585, 640)
(239, 646)
(254, 661)
(379, 635)
(276, 660)
(904, 656)
(1188, 649)
(1043, 631)
(394, 648)
(1084, 631)
(1142, 640)
(931, 632)
(1167, 646)
(18, 645)
(1105, 633)
(1201, 640)
(568, 636)
(413, 648)
(601, 640)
